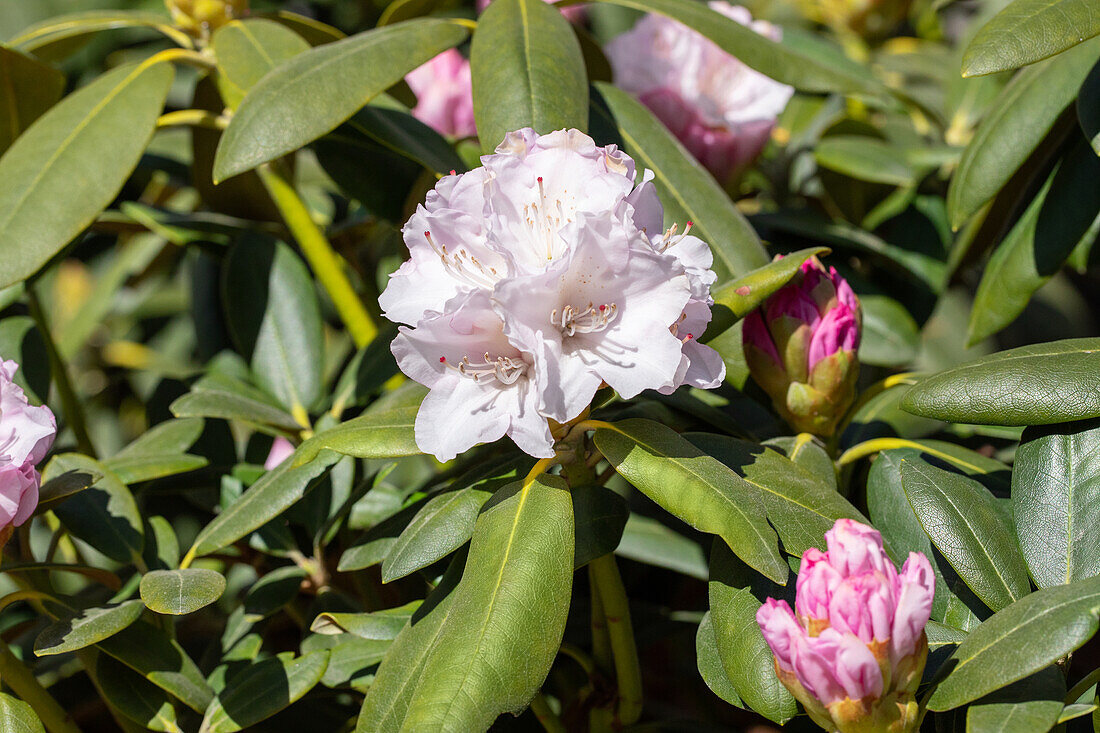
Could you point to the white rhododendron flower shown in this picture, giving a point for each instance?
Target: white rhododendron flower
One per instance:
(535, 280)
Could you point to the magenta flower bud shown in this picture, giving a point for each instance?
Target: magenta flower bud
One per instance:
(444, 94)
(26, 435)
(854, 653)
(801, 347)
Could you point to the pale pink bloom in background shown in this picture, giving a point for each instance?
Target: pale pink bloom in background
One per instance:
(720, 109)
(444, 96)
(534, 280)
(281, 448)
(26, 434)
(855, 617)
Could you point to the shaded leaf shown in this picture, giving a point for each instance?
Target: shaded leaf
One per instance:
(263, 689)
(87, 627)
(27, 89)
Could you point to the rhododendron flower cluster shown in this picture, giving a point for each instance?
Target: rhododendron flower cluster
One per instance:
(801, 347)
(853, 649)
(26, 434)
(719, 108)
(536, 279)
(444, 95)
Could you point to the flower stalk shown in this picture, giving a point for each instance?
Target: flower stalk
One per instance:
(27, 687)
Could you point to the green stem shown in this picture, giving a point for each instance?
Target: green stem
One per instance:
(628, 673)
(550, 721)
(1081, 687)
(74, 411)
(322, 258)
(26, 686)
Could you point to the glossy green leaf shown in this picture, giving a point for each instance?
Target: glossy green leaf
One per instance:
(1019, 640)
(890, 335)
(1088, 108)
(789, 62)
(401, 133)
(963, 522)
(27, 89)
(247, 49)
(17, 716)
(263, 689)
(170, 436)
(314, 92)
(746, 657)
(866, 159)
(1028, 705)
(809, 452)
(148, 650)
(105, 515)
(694, 487)
(351, 661)
(1039, 243)
(648, 541)
(735, 299)
(1056, 502)
(600, 516)
(311, 29)
(527, 71)
(687, 191)
(46, 197)
(272, 591)
(1039, 384)
(179, 592)
(800, 505)
(274, 315)
(85, 628)
(1022, 116)
(135, 697)
(508, 615)
(710, 663)
(386, 434)
(61, 35)
(266, 499)
(221, 396)
(1028, 31)
(377, 625)
(400, 10)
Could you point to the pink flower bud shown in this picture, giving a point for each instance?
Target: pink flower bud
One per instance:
(281, 449)
(813, 327)
(26, 435)
(854, 653)
(444, 94)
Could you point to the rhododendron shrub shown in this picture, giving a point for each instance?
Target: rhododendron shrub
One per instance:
(524, 365)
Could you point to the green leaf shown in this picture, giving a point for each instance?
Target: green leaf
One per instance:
(266, 499)
(221, 396)
(46, 196)
(351, 661)
(1031, 704)
(1028, 31)
(405, 10)
(800, 505)
(247, 49)
(87, 627)
(134, 696)
(648, 541)
(399, 132)
(694, 487)
(866, 159)
(170, 436)
(600, 516)
(446, 522)
(21, 341)
(710, 663)
(1019, 640)
(149, 651)
(315, 91)
(272, 591)
(385, 434)
(527, 71)
(27, 89)
(508, 616)
(735, 597)
(377, 625)
(179, 592)
(105, 515)
(1039, 384)
(890, 335)
(17, 716)
(1088, 108)
(808, 452)
(687, 191)
(1056, 502)
(274, 315)
(263, 689)
(58, 37)
(735, 299)
(790, 62)
(1021, 117)
(962, 520)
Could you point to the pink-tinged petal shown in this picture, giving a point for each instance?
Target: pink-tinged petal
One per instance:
(863, 605)
(815, 584)
(26, 431)
(814, 660)
(706, 369)
(854, 666)
(844, 292)
(281, 449)
(855, 548)
(780, 629)
(457, 415)
(444, 95)
(837, 331)
(18, 494)
(792, 302)
(755, 333)
(914, 608)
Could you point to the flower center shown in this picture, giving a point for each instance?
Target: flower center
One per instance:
(504, 369)
(545, 218)
(464, 266)
(590, 320)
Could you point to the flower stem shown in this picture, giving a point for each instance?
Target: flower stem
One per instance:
(26, 686)
(608, 584)
(319, 252)
(74, 411)
(550, 722)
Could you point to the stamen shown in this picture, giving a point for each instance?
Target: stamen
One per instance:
(592, 319)
(464, 266)
(670, 238)
(504, 369)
